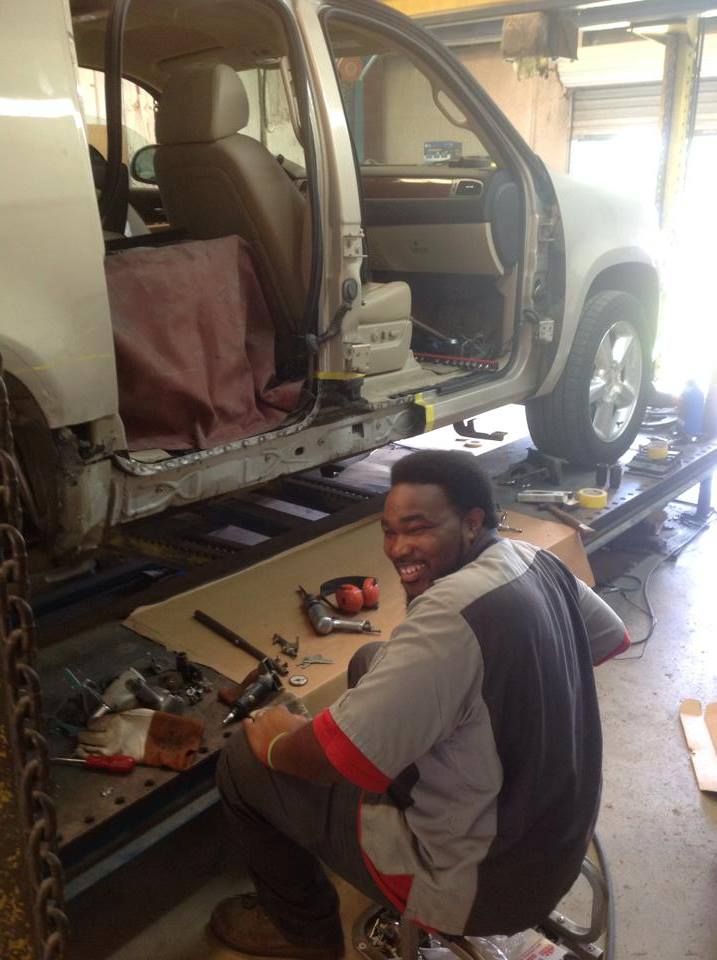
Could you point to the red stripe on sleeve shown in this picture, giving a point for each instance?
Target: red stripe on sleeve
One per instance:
(622, 647)
(346, 757)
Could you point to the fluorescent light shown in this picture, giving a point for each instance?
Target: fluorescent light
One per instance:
(615, 25)
(651, 29)
(709, 13)
(602, 3)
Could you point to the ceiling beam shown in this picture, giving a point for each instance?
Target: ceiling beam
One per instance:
(483, 23)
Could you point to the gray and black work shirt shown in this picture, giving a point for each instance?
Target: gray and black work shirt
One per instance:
(476, 737)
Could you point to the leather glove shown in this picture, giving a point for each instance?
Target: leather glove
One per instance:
(154, 738)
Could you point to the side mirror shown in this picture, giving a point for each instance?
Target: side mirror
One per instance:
(142, 165)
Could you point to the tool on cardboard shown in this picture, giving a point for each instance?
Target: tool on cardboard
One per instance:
(352, 593)
(266, 683)
(592, 498)
(564, 497)
(288, 648)
(118, 763)
(312, 659)
(320, 615)
(563, 516)
(280, 666)
(505, 527)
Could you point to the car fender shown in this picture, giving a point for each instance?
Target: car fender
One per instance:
(56, 332)
(602, 230)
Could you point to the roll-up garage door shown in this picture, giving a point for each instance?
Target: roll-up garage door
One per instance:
(606, 111)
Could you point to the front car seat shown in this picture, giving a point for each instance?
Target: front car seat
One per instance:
(215, 181)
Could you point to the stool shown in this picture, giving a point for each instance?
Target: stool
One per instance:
(402, 938)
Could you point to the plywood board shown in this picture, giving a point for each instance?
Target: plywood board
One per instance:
(263, 600)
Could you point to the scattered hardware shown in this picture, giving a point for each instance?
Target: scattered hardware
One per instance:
(288, 648)
(536, 466)
(298, 680)
(320, 615)
(466, 428)
(313, 659)
(190, 672)
(278, 666)
(504, 526)
(266, 683)
(107, 792)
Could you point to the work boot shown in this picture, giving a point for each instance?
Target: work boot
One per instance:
(252, 931)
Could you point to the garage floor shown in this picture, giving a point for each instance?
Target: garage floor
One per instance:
(659, 831)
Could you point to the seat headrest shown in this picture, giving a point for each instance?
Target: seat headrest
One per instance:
(204, 103)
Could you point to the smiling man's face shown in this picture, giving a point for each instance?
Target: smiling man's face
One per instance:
(424, 536)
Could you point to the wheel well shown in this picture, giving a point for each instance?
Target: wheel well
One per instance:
(37, 457)
(638, 279)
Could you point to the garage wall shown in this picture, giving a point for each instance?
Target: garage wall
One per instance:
(539, 108)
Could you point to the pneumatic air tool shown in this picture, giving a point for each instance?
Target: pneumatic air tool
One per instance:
(322, 618)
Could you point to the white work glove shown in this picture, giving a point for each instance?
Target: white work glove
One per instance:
(149, 736)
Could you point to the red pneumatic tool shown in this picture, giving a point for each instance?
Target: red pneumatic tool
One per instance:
(119, 763)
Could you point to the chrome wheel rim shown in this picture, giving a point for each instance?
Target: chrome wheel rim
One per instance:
(616, 381)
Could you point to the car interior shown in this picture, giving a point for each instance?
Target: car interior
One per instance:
(218, 247)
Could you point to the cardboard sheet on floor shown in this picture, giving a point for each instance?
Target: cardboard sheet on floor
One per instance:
(700, 729)
(262, 601)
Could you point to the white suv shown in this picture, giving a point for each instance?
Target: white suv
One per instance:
(337, 241)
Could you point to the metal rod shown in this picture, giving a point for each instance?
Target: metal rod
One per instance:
(229, 635)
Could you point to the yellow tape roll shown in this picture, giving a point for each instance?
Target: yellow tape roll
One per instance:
(592, 498)
(657, 449)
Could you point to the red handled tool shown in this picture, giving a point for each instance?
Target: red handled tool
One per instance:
(119, 763)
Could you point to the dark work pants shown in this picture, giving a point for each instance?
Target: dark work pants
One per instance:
(285, 826)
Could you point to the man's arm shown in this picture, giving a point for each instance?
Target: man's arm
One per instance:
(294, 747)
(606, 631)
(413, 695)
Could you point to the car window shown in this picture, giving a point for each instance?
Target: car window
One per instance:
(272, 117)
(396, 110)
(138, 113)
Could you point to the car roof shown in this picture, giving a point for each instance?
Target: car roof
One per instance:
(162, 36)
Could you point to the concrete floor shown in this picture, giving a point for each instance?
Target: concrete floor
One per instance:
(659, 831)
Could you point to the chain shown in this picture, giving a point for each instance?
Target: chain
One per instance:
(36, 917)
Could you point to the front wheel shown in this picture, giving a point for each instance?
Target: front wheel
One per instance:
(594, 413)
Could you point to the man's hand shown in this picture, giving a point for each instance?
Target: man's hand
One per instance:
(298, 755)
(266, 724)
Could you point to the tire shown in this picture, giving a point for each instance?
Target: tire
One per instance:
(565, 423)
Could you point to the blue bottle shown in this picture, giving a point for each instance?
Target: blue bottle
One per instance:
(691, 409)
